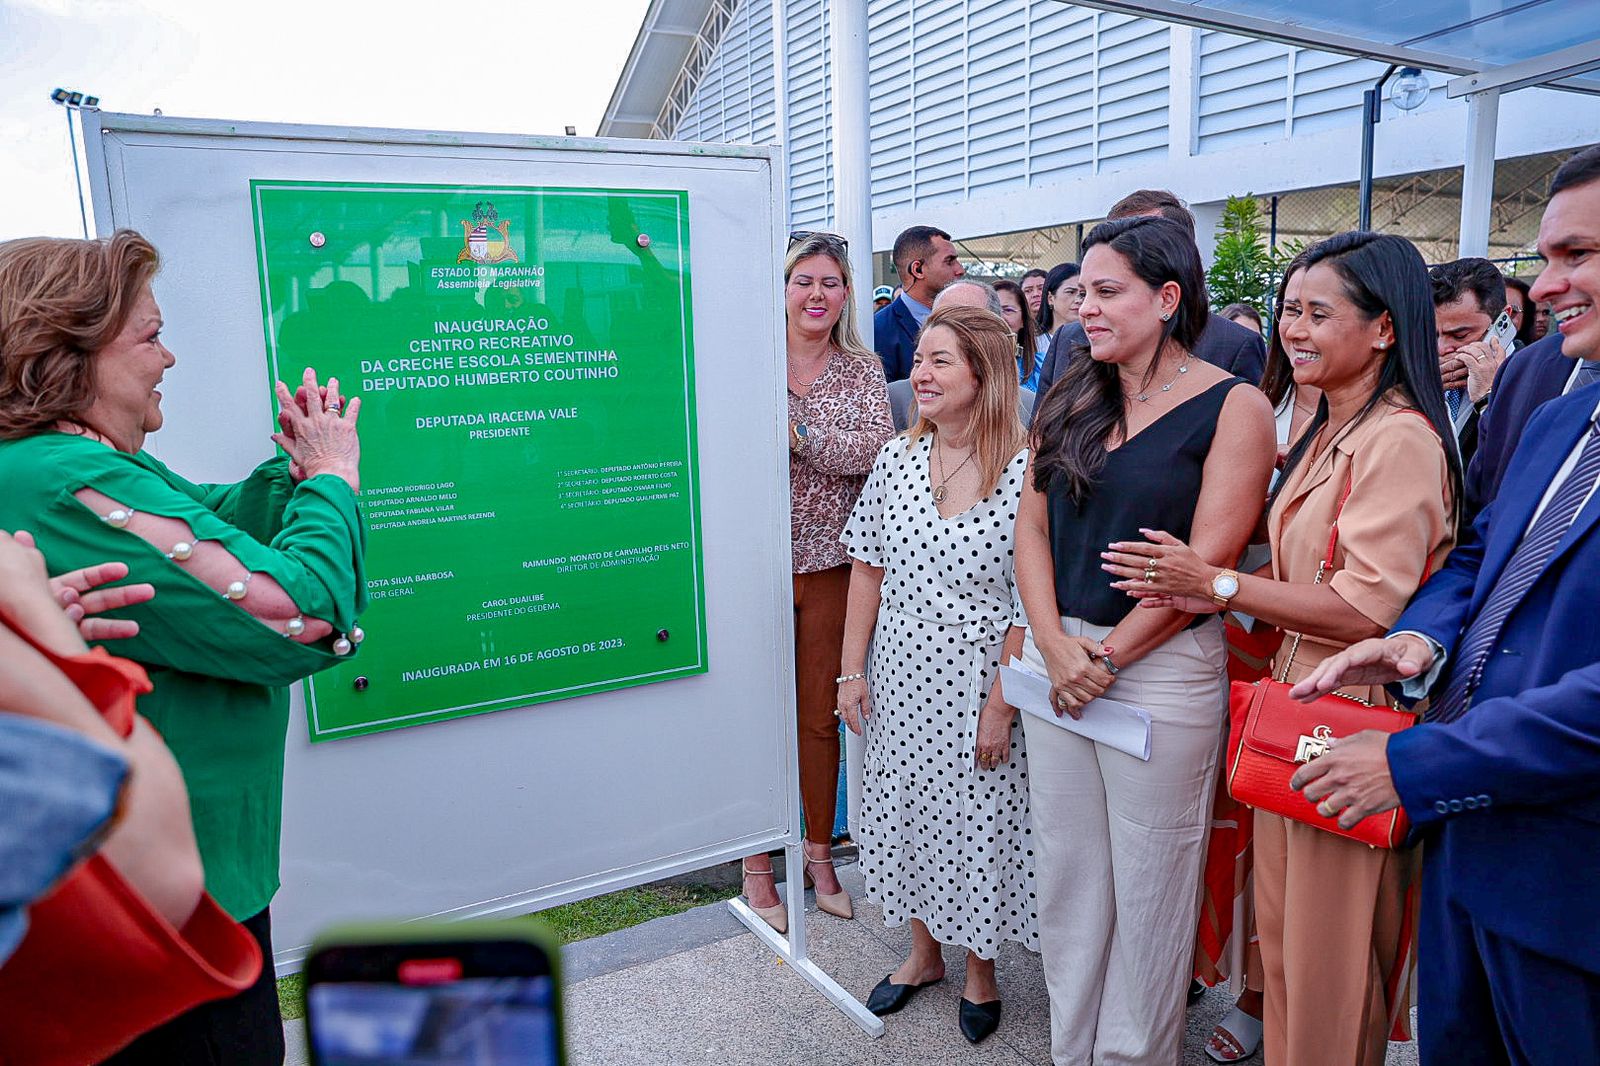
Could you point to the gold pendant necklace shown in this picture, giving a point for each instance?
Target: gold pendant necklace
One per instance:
(939, 491)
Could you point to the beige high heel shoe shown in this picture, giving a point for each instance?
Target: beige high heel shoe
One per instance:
(777, 917)
(835, 903)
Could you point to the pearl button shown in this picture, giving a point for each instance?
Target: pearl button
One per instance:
(295, 626)
(235, 591)
(1483, 800)
(119, 518)
(1441, 806)
(357, 634)
(342, 647)
(181, 551)
(1470, 803)
(1455, 806)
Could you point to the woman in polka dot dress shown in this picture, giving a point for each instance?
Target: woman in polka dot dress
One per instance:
(943, 830)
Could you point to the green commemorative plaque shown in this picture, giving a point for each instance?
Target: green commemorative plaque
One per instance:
(525, 364)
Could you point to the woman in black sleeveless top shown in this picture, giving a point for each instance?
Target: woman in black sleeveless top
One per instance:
(1136, 435)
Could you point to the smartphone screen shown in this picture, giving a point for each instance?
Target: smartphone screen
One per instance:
(472, 1003)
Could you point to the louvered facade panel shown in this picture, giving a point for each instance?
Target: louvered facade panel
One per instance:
(889, 39)
(1242, 89)
(1132, 97)
(1328, 88)
(977, 98)
(1060, 130)
(810, 132)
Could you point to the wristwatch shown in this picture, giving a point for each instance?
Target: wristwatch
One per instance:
(1111, 667)
(1224, 587)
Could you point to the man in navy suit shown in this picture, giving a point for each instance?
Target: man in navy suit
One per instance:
(1234, 348)
(1504, 773)
(926, 262)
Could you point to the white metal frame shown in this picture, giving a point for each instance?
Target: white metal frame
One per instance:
(1548, 70)
(125, 193)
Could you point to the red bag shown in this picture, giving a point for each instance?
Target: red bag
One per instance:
(98, 966)
(1273, 734)
(1270, 735)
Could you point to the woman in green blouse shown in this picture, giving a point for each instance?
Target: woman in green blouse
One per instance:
(257, 584)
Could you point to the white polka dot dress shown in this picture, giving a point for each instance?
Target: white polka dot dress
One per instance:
(941, 840)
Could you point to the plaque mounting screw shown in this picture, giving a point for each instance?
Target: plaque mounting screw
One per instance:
(318, 239)
(663, 636)
(644, 240)
(361, 684)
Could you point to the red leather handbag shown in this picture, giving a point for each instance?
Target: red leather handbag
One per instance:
(1271, 735)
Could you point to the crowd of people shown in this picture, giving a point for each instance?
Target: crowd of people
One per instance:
(1390, 495)
(1085, 472)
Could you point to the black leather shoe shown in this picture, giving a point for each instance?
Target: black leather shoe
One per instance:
(889, 997)
(1197, 989)
(979, 1020)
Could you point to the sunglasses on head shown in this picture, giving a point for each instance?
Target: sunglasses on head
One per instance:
(800, 236)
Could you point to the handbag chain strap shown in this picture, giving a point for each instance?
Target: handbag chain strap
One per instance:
(1327, 561)
(1322, 568)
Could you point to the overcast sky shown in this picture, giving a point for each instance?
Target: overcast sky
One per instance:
(490, 65)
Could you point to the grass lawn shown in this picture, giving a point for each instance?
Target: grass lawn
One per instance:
(574, 921)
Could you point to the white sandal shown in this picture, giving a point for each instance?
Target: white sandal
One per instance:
(1238, 1033)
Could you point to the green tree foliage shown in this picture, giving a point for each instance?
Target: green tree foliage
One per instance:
(1243, 268)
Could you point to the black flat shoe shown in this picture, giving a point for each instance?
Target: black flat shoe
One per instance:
(889, 997)
(1197, 988)
(979, 1020)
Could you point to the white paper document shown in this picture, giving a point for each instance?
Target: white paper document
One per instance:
(1117, 725)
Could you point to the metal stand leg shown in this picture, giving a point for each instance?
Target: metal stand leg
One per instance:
(792, 948)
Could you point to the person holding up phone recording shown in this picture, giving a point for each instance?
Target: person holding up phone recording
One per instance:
(1468, 298)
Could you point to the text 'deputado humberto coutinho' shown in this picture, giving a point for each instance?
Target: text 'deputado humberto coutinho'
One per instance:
(525, 363)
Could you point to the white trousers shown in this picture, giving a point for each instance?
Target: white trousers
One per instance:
(1119, 845)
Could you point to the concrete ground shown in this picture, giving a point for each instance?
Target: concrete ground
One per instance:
(697, 988)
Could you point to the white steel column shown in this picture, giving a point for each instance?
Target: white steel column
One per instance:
(780, 93)
(852, 147)
(1477, 180)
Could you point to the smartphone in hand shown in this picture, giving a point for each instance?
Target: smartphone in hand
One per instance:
(435, 994)
(1503, 330)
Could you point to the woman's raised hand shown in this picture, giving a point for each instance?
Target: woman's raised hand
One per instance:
(318, 430)
(1161, 571)
(855, 704)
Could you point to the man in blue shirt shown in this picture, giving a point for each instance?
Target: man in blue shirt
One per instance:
(926, 262)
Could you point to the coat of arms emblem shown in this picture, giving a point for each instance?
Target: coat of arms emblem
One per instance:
(487, 238)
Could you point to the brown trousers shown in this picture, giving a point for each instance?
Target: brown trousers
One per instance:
(1335, 952)
(819, 602)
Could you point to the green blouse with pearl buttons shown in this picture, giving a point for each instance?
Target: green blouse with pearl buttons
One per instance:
(221, 678)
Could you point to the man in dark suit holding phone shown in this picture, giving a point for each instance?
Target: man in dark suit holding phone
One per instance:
(1468, 298)
(1503, 775)
(926, 261)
